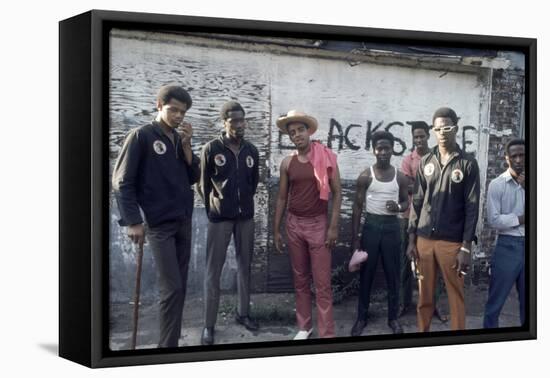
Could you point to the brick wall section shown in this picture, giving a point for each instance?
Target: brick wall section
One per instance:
(505, 114)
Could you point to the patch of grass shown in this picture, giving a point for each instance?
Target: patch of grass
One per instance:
(342, 286)
(271, 313)
(274, 313)
(227, 309)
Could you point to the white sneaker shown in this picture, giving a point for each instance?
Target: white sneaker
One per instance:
(303, 335)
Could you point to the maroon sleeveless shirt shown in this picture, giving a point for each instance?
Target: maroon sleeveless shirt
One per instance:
(304, 198)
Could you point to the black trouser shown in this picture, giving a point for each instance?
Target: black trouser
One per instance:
(171, 246)
(380, 238)
(406, 272)
(217, 241)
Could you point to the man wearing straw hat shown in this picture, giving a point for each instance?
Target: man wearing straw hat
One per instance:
(154, 172)
(307, 177)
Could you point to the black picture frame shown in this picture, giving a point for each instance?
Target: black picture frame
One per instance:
(84, 190)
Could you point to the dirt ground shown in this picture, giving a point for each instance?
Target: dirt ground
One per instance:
(276, 315)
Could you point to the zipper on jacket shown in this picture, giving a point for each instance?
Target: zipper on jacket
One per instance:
(174, 144)
(440, 182)
(238, 186)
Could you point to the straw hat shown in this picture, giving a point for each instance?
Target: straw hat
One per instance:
(297, 116)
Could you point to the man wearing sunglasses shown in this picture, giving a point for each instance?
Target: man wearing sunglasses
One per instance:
(409, 166)
(443, 219)
(229, 178)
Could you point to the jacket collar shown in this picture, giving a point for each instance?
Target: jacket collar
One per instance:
(458, 152)
(158, 130)
(507, 175)
(221, 138)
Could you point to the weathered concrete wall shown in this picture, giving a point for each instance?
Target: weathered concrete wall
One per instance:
(138, 69)
(350, 103)
(351, 100)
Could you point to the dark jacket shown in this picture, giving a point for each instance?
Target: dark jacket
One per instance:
(228, 181)
(445, 201)
(152, 174)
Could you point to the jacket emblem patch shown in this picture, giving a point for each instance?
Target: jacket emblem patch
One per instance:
(159, 147)
(220, 160)
(457, 176)
(249, 161)
(429, 169)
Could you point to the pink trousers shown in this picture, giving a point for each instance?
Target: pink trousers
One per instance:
(310, 258)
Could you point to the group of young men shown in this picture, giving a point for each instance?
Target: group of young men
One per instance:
(437, 190)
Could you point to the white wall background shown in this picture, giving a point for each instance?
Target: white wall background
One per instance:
(29, 190)
(332, 89)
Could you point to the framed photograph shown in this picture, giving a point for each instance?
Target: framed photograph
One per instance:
(235, 189)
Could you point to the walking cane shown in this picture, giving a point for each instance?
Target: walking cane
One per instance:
(136, 294)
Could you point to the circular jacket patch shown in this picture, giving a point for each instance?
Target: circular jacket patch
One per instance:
(457, 176)
(219, 159)
(249, 161)
(429, 169)
(159, 147)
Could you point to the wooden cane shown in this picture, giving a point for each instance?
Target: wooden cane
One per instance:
(139, 259)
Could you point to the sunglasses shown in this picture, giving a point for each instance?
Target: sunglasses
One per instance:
(443, 129)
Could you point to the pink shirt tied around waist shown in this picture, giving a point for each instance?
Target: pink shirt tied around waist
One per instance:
(323, 161)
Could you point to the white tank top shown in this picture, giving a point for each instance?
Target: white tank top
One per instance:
(378, 193)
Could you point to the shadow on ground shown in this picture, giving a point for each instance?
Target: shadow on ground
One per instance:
(276, 315)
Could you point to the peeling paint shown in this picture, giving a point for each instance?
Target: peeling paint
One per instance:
(494, 131)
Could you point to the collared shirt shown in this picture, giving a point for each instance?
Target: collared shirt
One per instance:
(409, 166)
(505, 202)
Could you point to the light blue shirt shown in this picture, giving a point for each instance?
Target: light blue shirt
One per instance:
(505, 202)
